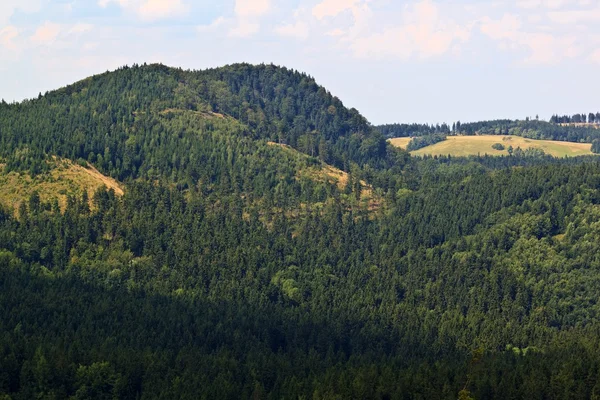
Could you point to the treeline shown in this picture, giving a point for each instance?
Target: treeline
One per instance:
(583, 118)
(409, 130)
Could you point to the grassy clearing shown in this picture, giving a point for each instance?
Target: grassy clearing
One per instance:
(401, 142)
(326, 173)
(474, 145)
(65, 178)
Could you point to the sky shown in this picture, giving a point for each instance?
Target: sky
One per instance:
(422, 61)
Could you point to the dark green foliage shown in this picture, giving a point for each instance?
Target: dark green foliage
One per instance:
(576, 119)
(596, 146)
(498, 146)
(532, 129)
(424, 141)
(406, 130)
(224, 272)
(119, 118)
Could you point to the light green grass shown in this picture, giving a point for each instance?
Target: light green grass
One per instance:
(473, 145)
(65, 178)
(401, 142)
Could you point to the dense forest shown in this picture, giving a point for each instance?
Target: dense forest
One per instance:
(410, 130)
(231, 268)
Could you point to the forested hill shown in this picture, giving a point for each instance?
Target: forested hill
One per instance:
(229, 258)
(116, 117)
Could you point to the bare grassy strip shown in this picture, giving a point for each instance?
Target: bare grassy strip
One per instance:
(401, 142)
(330, 174)
(205, 114)
(65, 178)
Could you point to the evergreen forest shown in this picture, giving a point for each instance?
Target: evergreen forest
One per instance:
(270, 244)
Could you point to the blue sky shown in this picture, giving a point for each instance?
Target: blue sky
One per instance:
(395, 61)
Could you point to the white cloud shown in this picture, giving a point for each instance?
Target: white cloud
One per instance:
(212, 26)
(424, 33)
(81, 28)
(244, 28)
(46, 33)
(332, 8)
(63, 35)
(505, 28)
(105, 3)
(543, 47)
(150, 10)
(252, 8)
(595, 56)
(8, 7)
(571, 17)
(248, 14)
(298, 30)
(336, 32)
(531, 4)
(7, 36)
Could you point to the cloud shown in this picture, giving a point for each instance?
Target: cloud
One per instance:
(505, 28)
(158, 9)
(336, 32)
(63, 34)
(105, 3)
(150, 10)
(248, 14)
(298, 30)
(8, 7)
(46, 33)
(543, 47)
(7, 35)
(532, 4)
(595, 56)
(80, 28)
(572, 17)
(424, 33)
(244, 28)
(212, 26)
(332, 8)
(252, 8)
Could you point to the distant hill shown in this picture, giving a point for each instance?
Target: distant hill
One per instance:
(106, 117)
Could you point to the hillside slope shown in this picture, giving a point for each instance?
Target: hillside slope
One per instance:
(102, 116)
(269, 244)
(63, 179)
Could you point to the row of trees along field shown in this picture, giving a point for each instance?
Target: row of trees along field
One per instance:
(225, 271)
(590, 118)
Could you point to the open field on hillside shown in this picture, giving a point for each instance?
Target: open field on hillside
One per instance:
(65, 178)
(474, 145)
(401, 142)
